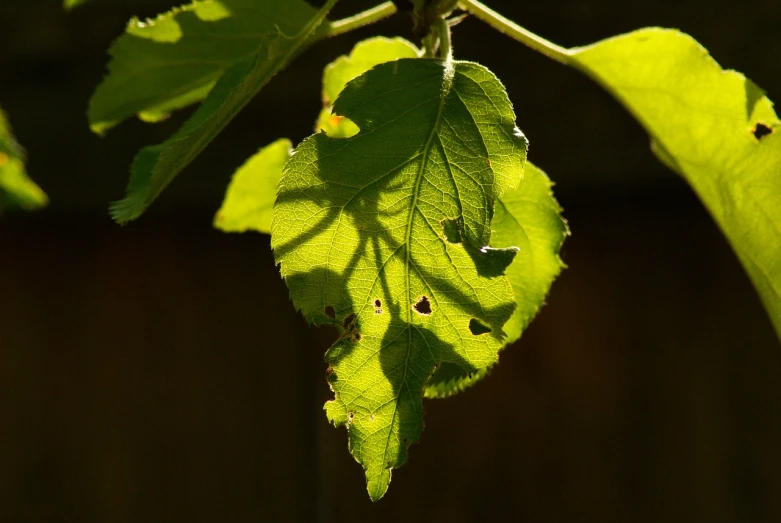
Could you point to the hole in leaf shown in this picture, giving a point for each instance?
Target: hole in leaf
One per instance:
(423, 306)
(477, 327)
(371, 418)
(377, 303)
(356, 336)
(348, 320)
(377, 306)
(761, 130)
(330, 312)
(350, 415)
(451, 230)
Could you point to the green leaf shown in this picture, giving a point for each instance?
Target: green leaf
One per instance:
(16, 188)
(359, 233)
(173, 61)
(70, 4)
(364, 56)
(250, 197)
(526, 216)
(530, 218)
(714, 127)
(155, 167)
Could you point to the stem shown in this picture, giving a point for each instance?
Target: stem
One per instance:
(361, 19)
(445, 50)
(510, 28)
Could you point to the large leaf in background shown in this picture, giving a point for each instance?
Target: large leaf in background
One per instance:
(714, 127)
(155, 167)
(384, 233)
(249, 200)
(529, 218)
(170, 62)
(16, 189)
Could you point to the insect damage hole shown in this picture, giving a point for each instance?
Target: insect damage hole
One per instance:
(348, 321)
(761, 130)
(330, 312)
(423, 306)
(477, 327)
(377, 306)
(451, 230)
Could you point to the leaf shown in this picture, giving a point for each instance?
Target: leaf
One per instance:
(530, 218)
(249, 201)
(173, 61)
(16, 188)
(250, 196)
(70, 4)
(359, 232)
(364, 56)
(155, 167)
(714, 127)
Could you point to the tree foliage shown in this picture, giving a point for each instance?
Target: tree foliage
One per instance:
(411, 220)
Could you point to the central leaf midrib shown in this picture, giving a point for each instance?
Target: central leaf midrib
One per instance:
(447, 83)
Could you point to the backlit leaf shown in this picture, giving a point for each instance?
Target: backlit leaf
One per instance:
(70, 4)
(364, 56)
(385, 233)
(16, 188)
(249, 201)
(155, 167)
(527, 217)
(174, 60)
(714, 127)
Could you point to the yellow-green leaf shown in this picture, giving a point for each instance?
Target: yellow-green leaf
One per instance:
(249, 201)
(16, 188)
(714, 127)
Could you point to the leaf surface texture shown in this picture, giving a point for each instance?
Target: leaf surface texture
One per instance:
(527, 217)
(155, 167)
(174, 60)
(714, 127)
(363, 230)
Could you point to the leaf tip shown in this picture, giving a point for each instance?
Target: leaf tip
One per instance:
(377, 484)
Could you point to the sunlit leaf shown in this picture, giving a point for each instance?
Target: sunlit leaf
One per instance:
(714, 127)
(527, 217)
(249, 201)
(174, 60)
(385, 233)
(16, 188)
(155, 167)
(364, 56)
(70, 4)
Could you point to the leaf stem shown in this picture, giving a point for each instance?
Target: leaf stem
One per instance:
(445, 50)
(361, 19)
(515, 31)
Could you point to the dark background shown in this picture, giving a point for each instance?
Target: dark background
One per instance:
(157, 372)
